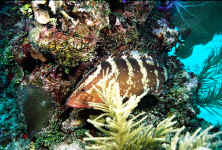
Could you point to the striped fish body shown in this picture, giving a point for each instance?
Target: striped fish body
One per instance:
(135, 76)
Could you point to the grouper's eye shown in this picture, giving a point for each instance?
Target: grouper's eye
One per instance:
(83, 90)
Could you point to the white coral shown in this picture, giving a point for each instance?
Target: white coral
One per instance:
(65, 146)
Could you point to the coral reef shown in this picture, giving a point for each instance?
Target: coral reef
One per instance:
(75, 40)
(73, 122)
(123, 35)
(54, 45)
(11, 119)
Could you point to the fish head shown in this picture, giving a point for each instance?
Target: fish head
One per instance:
(87, 88)
(84, 94)
(81, 99)
(78, 99)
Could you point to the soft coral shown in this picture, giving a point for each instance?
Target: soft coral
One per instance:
(180, 7)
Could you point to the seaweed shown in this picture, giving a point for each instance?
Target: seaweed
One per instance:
(208, 94)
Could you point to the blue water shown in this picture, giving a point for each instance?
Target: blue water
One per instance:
(201, 52)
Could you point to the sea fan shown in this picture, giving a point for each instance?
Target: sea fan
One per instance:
(209, 92)
(182, 7)
(186, 14)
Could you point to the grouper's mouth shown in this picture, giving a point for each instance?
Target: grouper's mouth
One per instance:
(75, 104)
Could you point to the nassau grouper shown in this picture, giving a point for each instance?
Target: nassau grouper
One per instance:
(135, 76)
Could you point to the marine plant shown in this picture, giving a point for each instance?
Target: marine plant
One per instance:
(209, 92)
(124, 131)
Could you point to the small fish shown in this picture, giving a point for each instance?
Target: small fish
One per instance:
(135, 76)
